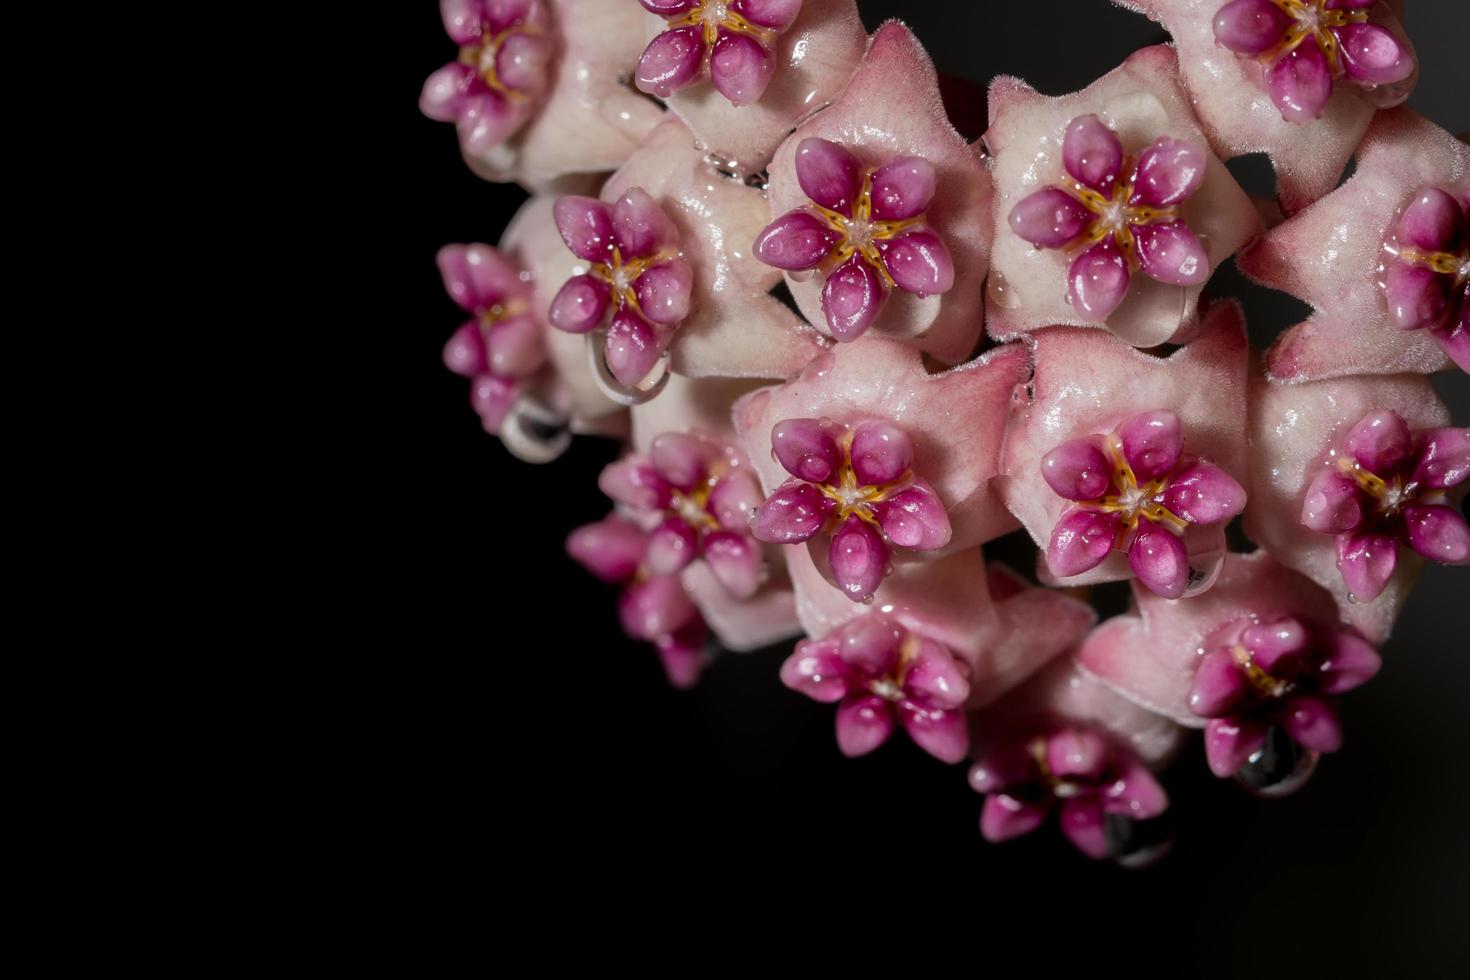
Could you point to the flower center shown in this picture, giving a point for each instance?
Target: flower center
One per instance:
(1313, 19)
(693, 507)
(1390, 496)
(860, 232)
(851, 498)
(499, 312)
(1116, 216)
(1264, 683)
(623, 276)
(481, 57)
(1133, 500)
(1455, 264)
(1062, 789)
(890, 686)
(712, 15)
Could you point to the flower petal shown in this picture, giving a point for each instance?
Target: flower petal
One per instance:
(902, 188)
(1230, 742)
(777, 15)
(736, 561)
(1204, 494)
(639, 226)
(1092, 153)
(654, 608)
(1278, 647)
(942, 732)
(794, 513)
(1136, 794)
(1367, 561)
(683, 654)
(1352, 663)
(580, 305)
(1159, 560)
(1381, 442)
(915, 518)
(816, 670)
(1078, 469)
(859, 558)
(740, 67)
(918, 262)
(492, 399)
(934, 677)
(1170, 253)
(1080, 542)
(633, 348)
(477, 276)
(516, 346)
(1004, 817)
(864, 722)
(524, 62)
(1371, 54)
(1219, 685)
(1049, 218)
(464, 352)
(634, 482)
(829, 175)
(852, 298)
(585, 224)
(1444, 457)
(671, 546)
(1169, 171)
(1312, 723)
(463, 19)
(611, 549)
(734, 499)
(1076, 753)
(1439, 533)
(1250, 27)
(1081, 820)
(1300, 83)
(1431, 222)
(807, 449)
(1152, 443)
(1332, 504)
(444, 92)
(796, 241)
(664, 292)
(881, 453)
(671, 61)
(1417, 295)
(1097, 280)
(870, 645)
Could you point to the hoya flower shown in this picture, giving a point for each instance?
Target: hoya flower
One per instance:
(1096, 185)
(535, 93)
(1063, 742)
(1135, 490)
(699, 494)
(1117, 215)
(1257, 662)
(1342, 255)
(1261, 79)
(881, 209)
(653, 608)
(742, 74)
(868, 457)
(1116, 452)
(1344, 472)
(729, 42)
(638, 287)
(1266, 683)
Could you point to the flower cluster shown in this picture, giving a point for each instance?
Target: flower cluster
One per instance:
(831, 463)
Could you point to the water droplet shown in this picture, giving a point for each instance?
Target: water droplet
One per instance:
(802, 275)
(1000, 291)
(644, 391)
(1067, 298)
(534, 432)
(867, 600)
(1352, 599)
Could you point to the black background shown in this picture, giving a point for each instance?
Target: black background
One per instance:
(552, 768)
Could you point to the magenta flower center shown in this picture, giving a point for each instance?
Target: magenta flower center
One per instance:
(1117, 216)
(1313, 19)
(1389, 496)
(711, 15)
(852, 499)
(1132, 500)
(482, 56)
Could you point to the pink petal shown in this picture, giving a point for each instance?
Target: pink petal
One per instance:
(1204, 494)
(1082, 822)
(1049, 218)
(1076, 753)
(734, 499)
(817, 671)
(915, 518)
(1431, 222)
(1004, 817)
(682, 459)
(1136, 794)
(487, 119)
(1159, 560)
(664, 292)
(851, 299)
(794, 513)
(683, 654)
(1352, 663)
(796, 241)
(524, 61)
(1078, 469)
(881, 453)
(774, 14)
(1367, 561)
(1230, 742)
(492, 399)
(870, 644)
(585, 224)
(1439, 533)
(1005, 764)
(1312, 723)
(736, 562)
(1218, 687)
(859, 559)
(671, 61)
(634, 482)
(633, 348)
(806, 448)
(828, 174)
(1250, 27)
(476, 276)
(580, 305)
(1092, 153)
(462, 19)
(942, 732)
(671, 546)
(516, 346)
(1152, 443)
(639, 226)
(902, 189)
(1278, 648)
(918, 262)
(1331, 505)
(1170, 253)
(655, 607)
(863, 724)
(464, 352)
(1444, 457)
(1380, 442)
(1080, 542)
(1300, 83)
(934, 678)
(443, 96)
(1169, 171)
(611, 549)
(1417, 295)
(1372, 55)
(740, 67)
(1098, 280)
(668, 8)
(501, 15)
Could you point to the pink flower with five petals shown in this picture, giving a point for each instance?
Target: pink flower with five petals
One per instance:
(730, 42)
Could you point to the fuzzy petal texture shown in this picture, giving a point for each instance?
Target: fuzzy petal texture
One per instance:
(1144, 101)
(891, 110)
(1232, 98)
(955, 420)
(1329, 256)
(742, 625)
(1292, 430)
(1087, 382)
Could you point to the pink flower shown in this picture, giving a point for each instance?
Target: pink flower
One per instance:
(1305, 45)
(698, 495)
(730, 42)
(1340, 256)
(882, 674)
(520, 115)
(857, 484)
(638, 277)
(864, 229)
(1117, 215)
(1086, 216)
(653, 608)
(1312, 513)
(882, 209)
(1119, 451)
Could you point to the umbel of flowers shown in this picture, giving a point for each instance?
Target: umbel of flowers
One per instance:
(846, 348)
